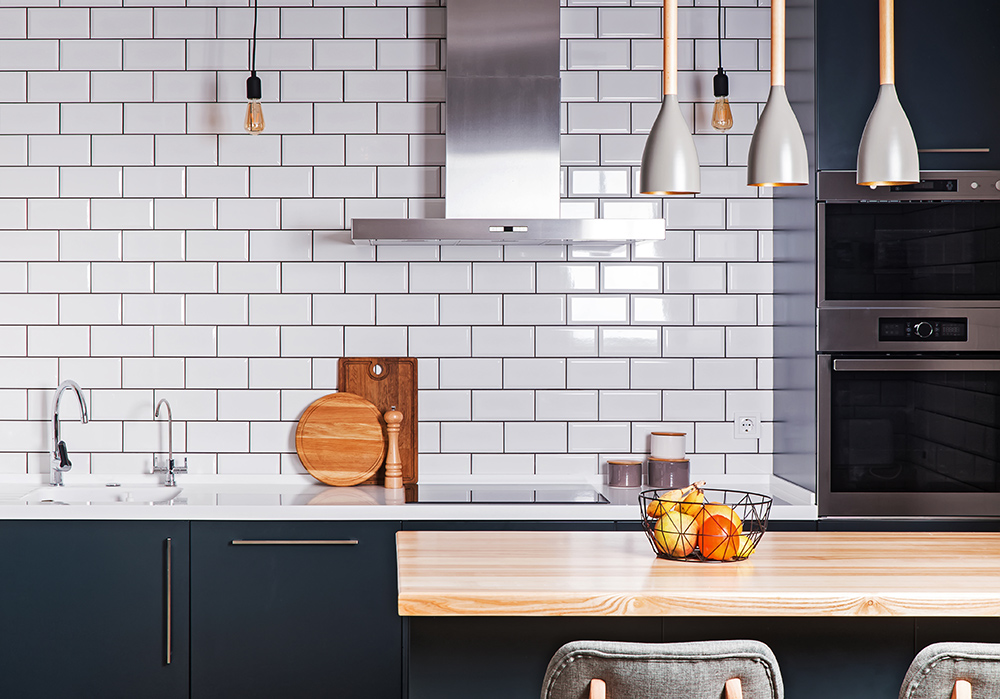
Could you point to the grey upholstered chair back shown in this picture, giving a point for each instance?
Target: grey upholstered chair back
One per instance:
(935, 669)
(696, 670)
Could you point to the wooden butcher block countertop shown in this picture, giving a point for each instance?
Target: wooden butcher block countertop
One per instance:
(617, 574)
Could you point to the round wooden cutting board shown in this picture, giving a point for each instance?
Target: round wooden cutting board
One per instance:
(340, 439)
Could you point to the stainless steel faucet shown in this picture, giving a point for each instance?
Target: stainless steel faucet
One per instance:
(60, 456)
(170, 469)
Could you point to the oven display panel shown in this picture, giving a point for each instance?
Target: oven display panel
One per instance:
(923, 329)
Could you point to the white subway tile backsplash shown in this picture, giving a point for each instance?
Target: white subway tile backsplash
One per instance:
(150, 244)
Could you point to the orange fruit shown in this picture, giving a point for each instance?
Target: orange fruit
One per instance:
(676, 533)
(716, 509)
(718, 538)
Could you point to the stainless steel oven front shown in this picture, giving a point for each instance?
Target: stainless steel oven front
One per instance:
(908, 347)
(909, 436)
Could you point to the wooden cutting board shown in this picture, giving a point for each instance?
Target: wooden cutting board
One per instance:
(387, 382)
(340, 439)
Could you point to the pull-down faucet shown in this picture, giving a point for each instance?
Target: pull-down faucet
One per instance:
(60, 456)
(170, 469)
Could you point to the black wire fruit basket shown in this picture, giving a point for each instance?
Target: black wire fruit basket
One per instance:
(717, 525)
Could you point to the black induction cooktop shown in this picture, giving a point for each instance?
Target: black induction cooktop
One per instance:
(510, 494)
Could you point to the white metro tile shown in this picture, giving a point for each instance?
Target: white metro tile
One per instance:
(630, 405)
(597, 373)
(312, 342)
(565, 342)
(503, 342)
(718, 437)
(662, 310)
(534, 373)
(535, 437)
(216, 309)
(378, 278)
(602, 309)
(121, 341)
(184, 341)
(573, 465)
(409, 309)
(630, 342)
(440, 277)
(566, 405)
(150, 372)
(512, 277)
(729, 309)
(180, 277)
(310, 277)
(153, 309)
(661, 373)
(599, 437)
(346, 309)
(532, 309)
(751, 277)
(249, 277)
(277, 309)
(256, 341)
(712, 246)
(476, 437)
(470, 309)
(750, 342)
(440, 341)
(203, 372)
(557, 278)
(503, 405)
(725, 373)
(266, 372)
(703, 277)
(376, 342)
(694, 405)
(631, 277)
(445, 405)
(693, 342)
(503, 465)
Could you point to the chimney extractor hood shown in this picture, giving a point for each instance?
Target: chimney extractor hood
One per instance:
(502, 137)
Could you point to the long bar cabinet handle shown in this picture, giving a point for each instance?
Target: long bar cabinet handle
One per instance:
(294, 542)
(916, 365)
(168, 555)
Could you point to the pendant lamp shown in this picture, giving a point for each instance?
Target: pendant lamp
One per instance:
(888, 152)
(253, 121)
(669, 160)
(777, 151)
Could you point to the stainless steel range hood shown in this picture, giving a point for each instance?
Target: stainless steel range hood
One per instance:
(502, 137)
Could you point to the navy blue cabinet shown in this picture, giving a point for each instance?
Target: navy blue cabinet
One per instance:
(295, 609)
(94, 609)
(946, 77)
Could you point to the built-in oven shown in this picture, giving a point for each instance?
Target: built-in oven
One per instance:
(908, 338)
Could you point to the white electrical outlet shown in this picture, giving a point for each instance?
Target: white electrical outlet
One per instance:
(746, 426)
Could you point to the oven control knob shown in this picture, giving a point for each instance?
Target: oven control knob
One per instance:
(923, 329)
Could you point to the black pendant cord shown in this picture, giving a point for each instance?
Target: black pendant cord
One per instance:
(253, 43)
(720, 33)
(720, 84)
(253, 82)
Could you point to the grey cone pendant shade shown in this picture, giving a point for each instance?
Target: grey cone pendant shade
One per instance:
(888, 151)
(670, 160)
(777, 151)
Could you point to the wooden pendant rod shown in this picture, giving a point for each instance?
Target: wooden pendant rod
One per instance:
(777, 42)
(886, 43)
(670, 47)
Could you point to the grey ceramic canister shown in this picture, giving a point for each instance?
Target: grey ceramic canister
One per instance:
(888, 151)
(670, 159)
(778, 150)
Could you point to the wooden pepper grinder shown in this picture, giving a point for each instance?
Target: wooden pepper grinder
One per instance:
(393, 466)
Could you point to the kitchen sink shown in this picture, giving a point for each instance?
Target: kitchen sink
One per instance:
(101, 495)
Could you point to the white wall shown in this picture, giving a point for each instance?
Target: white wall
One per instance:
(151, 249)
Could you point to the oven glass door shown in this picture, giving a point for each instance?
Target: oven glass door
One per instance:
(903, 251)
(911, 425)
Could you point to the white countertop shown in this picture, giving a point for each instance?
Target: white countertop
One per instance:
(313, 501)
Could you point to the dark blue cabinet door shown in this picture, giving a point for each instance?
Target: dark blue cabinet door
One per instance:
(946, 78)
(284, 613)
(84, 610)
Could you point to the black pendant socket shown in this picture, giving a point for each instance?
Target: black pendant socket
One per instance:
(720, 83)
(253, 87)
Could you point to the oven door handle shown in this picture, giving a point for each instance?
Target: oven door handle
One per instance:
(916, 364)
